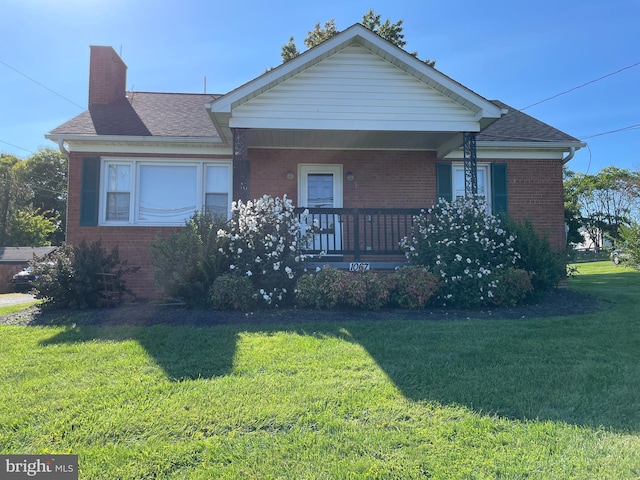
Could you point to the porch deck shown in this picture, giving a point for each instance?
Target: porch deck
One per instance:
(344, 236)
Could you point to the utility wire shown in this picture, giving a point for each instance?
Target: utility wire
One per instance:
(580, 86)
(16, 146)
(617, 130)
(41, 85)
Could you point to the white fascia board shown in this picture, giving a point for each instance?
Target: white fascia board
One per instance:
(132, 144)
(338, 124)
(564, 146)
(365, 37)
(518, 150)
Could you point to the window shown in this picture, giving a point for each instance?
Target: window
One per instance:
(118, 192)
(216, 196)
(167, 193)
(492, 184)
(483, 183)
(144, 192)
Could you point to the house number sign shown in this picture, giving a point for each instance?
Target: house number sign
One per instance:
(359, 266)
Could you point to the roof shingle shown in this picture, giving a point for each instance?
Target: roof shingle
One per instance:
(517, 126)
(146, 114)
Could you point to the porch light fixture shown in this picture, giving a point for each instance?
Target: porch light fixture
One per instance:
(350, 176)
(290, 175)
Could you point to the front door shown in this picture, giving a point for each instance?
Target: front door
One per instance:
(320, 186)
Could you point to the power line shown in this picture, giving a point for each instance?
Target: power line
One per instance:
(16, 146)
(41, 85)
(583, 85)
(617, 130)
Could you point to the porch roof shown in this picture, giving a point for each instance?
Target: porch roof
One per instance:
(355, 89)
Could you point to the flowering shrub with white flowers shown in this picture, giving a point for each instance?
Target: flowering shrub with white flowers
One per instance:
(263, 242)
(466, 248)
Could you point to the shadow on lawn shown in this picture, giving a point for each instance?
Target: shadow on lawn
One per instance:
(539, 373)
(580, 370)
(183, 353)
(516, 370)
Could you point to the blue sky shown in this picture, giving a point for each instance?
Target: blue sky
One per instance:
(520, 52)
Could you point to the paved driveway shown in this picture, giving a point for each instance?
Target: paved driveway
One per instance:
(15, 299)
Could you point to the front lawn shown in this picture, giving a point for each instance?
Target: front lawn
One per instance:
(542, 398)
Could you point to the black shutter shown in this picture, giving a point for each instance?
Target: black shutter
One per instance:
(499, 188)
(444, 187)
(90, 191)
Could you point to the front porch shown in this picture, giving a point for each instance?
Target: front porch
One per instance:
(357, 238)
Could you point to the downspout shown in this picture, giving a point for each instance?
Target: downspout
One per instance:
(572, 152)
(63, 150)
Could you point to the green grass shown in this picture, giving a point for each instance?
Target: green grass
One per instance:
(8, 309)
(550, 398)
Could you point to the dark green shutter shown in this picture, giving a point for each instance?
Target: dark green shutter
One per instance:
(444, 187)
(499, 188)
(90, 191)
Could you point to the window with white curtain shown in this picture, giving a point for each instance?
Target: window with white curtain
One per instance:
(144, 192)
(483, 183)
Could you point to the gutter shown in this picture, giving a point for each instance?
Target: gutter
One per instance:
(572, 152)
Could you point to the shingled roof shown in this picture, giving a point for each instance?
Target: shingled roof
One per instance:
(184, 115)
(146, 114)
(23, 254)
(517, 126)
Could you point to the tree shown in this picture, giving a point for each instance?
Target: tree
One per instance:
(572, 215)
(33, 199)
(44, 174)
(8, 195)
(387, 30)
(31, 229)
(606, 200)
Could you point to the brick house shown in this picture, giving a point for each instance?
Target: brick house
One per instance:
(356, 129)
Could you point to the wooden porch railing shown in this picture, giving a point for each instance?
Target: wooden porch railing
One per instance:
(357, 231)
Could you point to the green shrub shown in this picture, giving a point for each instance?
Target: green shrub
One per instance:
(187, 262)
(365, 290)
(232, 292)
(320, 291)
(412, 287)
(513, 287)
(331, 288)
(71, 277)
(264, 243)
(465, 247)
(546, 267)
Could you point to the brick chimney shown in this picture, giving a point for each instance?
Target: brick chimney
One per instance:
(107, 76)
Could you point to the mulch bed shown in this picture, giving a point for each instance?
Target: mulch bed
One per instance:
(560, 302)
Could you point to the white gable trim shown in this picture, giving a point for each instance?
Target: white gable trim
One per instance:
(354, 89)
(223, 110)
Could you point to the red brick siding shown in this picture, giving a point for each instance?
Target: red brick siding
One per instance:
(382, 179)
(535, 192)
(133, 242)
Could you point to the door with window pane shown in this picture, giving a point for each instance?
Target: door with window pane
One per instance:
(321, 187)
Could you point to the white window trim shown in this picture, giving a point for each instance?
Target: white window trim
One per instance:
(481, 165)
(135, 164)
(304, 169)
